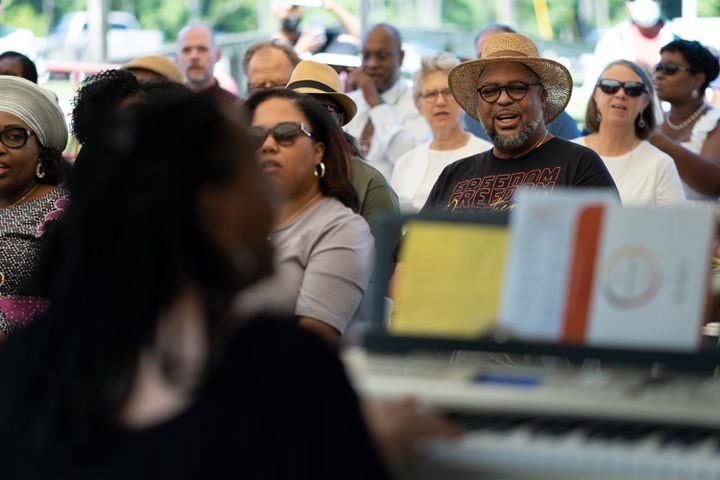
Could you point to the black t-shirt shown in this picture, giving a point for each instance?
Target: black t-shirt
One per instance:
(279, 407)
(484, 181)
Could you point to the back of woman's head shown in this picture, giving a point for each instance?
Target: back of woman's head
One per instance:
(99, 98)
(649, 115)
(700, 58)
(129, 244)
(336, 181)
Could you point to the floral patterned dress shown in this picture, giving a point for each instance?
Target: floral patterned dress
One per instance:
(21, 236)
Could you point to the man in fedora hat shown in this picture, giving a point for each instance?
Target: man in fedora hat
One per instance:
(375, 196)
(514, 93)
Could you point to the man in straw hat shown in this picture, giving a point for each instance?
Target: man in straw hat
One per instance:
(514, 93)
(375, 196)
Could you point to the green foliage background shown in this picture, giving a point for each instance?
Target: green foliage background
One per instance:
(240, 15)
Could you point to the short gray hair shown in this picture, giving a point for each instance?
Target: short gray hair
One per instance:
(437, 62)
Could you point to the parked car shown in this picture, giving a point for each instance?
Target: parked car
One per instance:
(69, 40)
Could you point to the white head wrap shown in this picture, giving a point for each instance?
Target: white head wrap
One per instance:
(35, 106)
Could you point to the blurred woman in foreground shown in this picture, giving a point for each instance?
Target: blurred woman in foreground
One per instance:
(689, 132)
(138, 370)
(620, 116)
(33, 135)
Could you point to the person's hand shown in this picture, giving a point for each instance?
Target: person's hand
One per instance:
(364, 82)
(311, 38)
(400, 427)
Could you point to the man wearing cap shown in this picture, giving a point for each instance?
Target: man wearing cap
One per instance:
(321, 82)
(197, 56)
(514, 93)
(387, 123)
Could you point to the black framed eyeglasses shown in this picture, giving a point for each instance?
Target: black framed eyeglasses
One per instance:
(671, 68)
(284, 133)
(15, 137)
(432, 95)
(611, 87)
(490, 93)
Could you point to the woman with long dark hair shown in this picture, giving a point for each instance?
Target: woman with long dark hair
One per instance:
(138, 370)
(324, 249)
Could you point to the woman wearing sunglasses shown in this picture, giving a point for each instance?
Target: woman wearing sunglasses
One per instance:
(620, 116)
(33, 135)
(324, 250)
(689, 132)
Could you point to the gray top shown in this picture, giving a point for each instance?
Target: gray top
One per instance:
(323, 264)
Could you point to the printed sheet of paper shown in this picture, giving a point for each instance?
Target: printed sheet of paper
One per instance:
(539, 264)
(449, 279)
(651, 278)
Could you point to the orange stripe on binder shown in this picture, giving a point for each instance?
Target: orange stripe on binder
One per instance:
(577, 304)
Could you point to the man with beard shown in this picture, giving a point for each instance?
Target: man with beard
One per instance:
(197, 56)
(515, 94)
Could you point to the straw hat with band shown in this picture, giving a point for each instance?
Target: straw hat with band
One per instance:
(158, 65)
(511, 48)
(315, 78)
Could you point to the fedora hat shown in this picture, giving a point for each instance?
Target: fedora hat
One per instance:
(316, 78)
(511, 48)
(158, 65)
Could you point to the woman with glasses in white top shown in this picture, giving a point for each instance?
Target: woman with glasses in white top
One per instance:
(416, 171)
(689, 132)
(620, 116)
(324, 251)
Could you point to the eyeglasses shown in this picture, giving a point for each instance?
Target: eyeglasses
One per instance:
(611, 87)
(671, 68)
(284, 133)
(490, 93)
(432, 95)
(14, 137)
(259, 87)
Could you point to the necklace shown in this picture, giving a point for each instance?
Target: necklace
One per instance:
(299, 211)
(542, 140)
(19, 200)
(687, 121)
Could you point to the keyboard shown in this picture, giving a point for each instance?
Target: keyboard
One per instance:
(565, 448)
(531, 423)
(472, 386)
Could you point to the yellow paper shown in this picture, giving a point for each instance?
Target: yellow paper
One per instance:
(449, 280)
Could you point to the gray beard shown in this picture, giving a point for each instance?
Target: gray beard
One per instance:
(514, 142)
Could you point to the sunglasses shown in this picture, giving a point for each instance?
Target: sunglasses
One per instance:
(284, 134)
(611, 87)
(14, 137)
(671, 68)
(490, 93)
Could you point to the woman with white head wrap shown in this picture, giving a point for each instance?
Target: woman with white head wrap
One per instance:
(33, 135)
